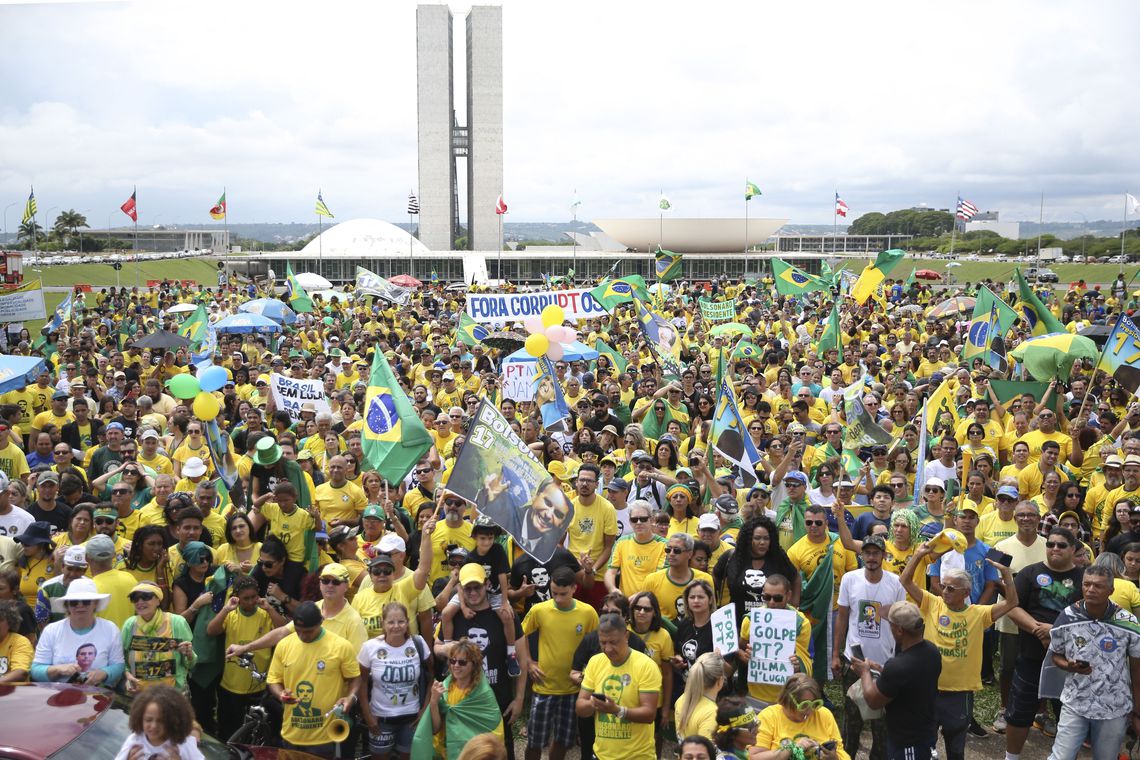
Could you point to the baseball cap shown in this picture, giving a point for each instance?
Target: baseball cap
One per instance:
(708, 521)
(390, 542)
(48, 476)
(726, 503)
(114, 426)
(75, 556)
(100, 548)
(58, 396)
(335, 570)
(640, 456)
(906, 615)
(1010, 491)
(307, 615)
(618, 484)
(968, 506)
(152, 433)
(341, 533)
(797, 476)
(472, 573)
(874, 542)
(372, 510)
(382, 559)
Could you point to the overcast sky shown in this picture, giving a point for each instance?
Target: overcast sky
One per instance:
(892, 103)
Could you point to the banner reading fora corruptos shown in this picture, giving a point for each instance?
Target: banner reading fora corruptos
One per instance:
(509, 307)
(25, 302)
(290, 393)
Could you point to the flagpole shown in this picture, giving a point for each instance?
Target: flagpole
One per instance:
(834, 224)
(1040, 223)
(411, 243)
(135, 196)
(574, 209)
(226, 221)
(954, 223)
(1124, 234)
(502, 280)
(320, 245)
(660, 222)
(1099, 359)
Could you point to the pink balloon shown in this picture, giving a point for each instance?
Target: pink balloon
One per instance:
(559, 334)
(554, 352)
(534, 325)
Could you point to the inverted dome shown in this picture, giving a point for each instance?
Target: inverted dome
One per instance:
(362, 239)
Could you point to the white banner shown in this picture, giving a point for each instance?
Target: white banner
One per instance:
(289, 394)
(510, 307)
(23, 303)
(772, 638)
(517, 380)
(724, 630)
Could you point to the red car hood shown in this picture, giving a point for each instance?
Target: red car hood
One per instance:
(40, 718)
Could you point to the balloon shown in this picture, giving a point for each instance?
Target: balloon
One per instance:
(206, 407)
(554, 352)
(212, 378)
(184, 386)
(559, 334)
(534, 325)
(553, 315)
(537, 345)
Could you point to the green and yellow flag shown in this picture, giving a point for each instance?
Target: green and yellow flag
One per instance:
(616, 359)
(830, 337)
(667, 265)
(394, 438)
(298, 299)
(612, 293)
(30, 207)
(874, 273)
(1036, 314)
(470, 332)
(985, 337)
(793, 281)
(194, 329)
(751, 190)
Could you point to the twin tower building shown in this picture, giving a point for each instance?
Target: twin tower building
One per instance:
(443, 140)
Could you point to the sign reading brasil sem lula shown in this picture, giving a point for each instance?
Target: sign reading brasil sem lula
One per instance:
(508, 307)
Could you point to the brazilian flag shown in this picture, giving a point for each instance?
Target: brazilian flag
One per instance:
(793, 281)
(298, 298)
(196, 327)
(667, 265)
(616, 359)
(1040, 320)
(830, 337)
(612, 293)
(470, 332)
(478, 713)
(394, 438)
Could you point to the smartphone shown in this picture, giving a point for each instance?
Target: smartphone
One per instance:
(1082, 663)
(857, 652)
(599, 697)
(999, 557)
(829, 746)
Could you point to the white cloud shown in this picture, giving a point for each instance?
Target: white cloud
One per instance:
(892, 104)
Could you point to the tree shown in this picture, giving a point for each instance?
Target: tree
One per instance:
(30, 231)
(68, 223)
(920, 223)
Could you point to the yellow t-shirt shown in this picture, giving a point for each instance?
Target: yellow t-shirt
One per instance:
(289, 528)
(636, 561)
(370, 604)
(315, 674)
(614, 738)
(117, 583)
(775, 726)
(991, 528)
(344, 503)
(1034, 438)
(895, 559)
(560, 633)
(16, 653)
(441, 537)
(241, 628)
(588, 528)
(770, 693)
(49, 418)
(658, 645)
(1125, 595)
(669, 591)
(806, 556)
(13, 463)
(957, 636)
(701, 722)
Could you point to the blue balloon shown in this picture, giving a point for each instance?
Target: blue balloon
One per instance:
(213, 378)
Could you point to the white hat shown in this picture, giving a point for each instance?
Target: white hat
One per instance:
(935, 482)
(75, 556)
(81, 590)
(708, 521)
(194, 467)
(390, 542)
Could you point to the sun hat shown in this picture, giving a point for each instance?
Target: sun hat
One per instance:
(194, 467)
(81, 590)
(35, 534)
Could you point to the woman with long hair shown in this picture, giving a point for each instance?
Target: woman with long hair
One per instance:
(693, 636)
(695, 710)
(740, 575)
(679, 505)
(1120, 522)
(798, 720)
(399, 668)
(464, 699)
(146, 559)
(1049, 500)
(190, 594)
(239, 552)
(902, 463)
(80, 527)
(665, 458)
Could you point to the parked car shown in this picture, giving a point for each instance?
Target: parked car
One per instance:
(71, 722)
(1041, 275)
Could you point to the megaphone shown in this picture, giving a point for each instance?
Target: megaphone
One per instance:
(337, 724)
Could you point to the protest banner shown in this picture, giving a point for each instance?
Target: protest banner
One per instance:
(861, 430)
(497, 472)
(772, 637)
(290, 393)
(518, 380)
(25, 302)
(724, 629)
(508, 307)
(717, 311)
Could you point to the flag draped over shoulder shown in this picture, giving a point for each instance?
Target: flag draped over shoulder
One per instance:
(470, 332)
(830, 337)
(667, 265)
(613, 293)
(874, 273)
(985, 337)
(298, 298)
(475, 715)
(815, 602)
(394, 438)
(1121, 356)
(655, 427)
(793, 281)
(729, 436)
(1036, 315)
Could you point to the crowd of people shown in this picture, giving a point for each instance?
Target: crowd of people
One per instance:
(993, 543)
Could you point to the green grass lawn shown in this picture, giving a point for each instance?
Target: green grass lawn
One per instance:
(203, 270)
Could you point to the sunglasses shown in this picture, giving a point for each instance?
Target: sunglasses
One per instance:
(932, 490)
(453, 662)
(772, 598)
(815, 522)
(793, 484)
(811, 704)
(453, 502)
(331, 581)
(104, 520)
(1056, 545)
(675, 550)
(953, 589)
(80, 603)
(642, 608)
(141, 597)
(267, 563)
(424, 470)
(636, 520)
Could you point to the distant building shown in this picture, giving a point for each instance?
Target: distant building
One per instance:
(988, 221)
(838, 244)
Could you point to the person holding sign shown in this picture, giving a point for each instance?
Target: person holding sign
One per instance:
(798, 726)
(776, 597)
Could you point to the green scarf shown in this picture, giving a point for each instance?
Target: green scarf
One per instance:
(794, 509)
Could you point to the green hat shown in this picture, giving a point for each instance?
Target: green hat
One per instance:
(112, 513)
(374, 510)
(266, 452)
(196, 551)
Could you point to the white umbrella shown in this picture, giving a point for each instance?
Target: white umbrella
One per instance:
(182, 308)
(953, 264)
(328, 295)
(312, 281)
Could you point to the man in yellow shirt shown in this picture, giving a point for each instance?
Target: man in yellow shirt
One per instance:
(339, 500)
(637, 555)
(593, 530)
(669, 585)
(57, 415)
(1047, 431)
(13, 463)
(807, 554)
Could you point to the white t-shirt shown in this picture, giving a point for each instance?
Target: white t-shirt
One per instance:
(395, 675)
(936, 469)
(187, 750)
(868, 603)
(94, 650)
(15, 522)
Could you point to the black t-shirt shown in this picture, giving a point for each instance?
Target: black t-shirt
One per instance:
(910, 679)
(292, 575)
(59, 517)
(485, 628)
(527, 568)
(130, 427)
(744, 590)
(691, 641)
(1043, 593)
(493, 564)
(1119, 543)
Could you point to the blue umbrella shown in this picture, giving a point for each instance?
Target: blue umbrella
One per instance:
(572, 352)
(246, 323)
(271, 308)
(18, 371)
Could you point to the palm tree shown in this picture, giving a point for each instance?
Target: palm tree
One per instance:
(68, 224)
(30, 230)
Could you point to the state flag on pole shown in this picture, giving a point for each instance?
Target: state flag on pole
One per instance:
(1133, 204)
(322, 209)
(751, 190)
(413, 204)
(129, 208)
(500, 206)
(965, 210)
(30, 207)
(219, 209)
(840, 207)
